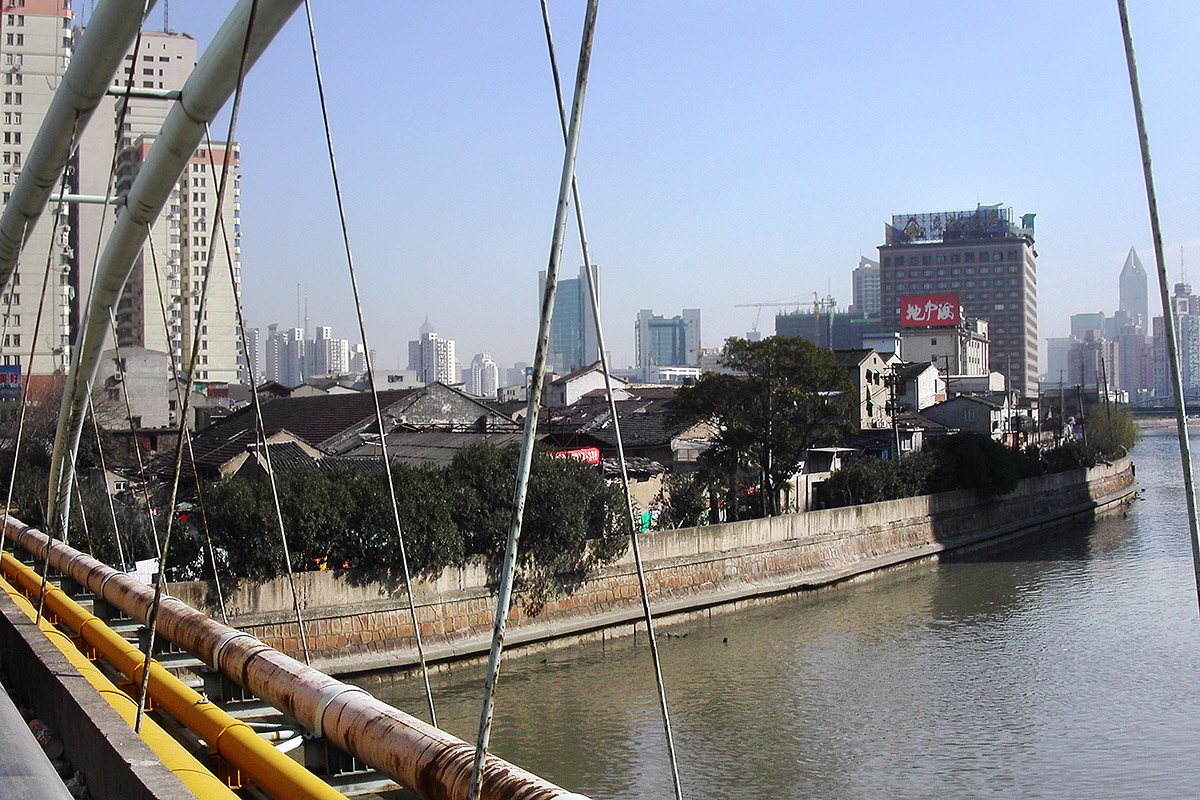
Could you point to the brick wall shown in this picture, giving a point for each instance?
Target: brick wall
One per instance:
(354, 623)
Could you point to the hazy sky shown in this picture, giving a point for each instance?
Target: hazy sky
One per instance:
(734, 152)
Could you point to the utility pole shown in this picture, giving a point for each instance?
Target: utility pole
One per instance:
(1062, 403)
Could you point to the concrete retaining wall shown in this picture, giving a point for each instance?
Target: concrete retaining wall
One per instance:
(357, 624)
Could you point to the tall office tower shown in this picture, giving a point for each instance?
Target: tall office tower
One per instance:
(185, 243)
(981, 260)
(432, 357)
(290, 346)
(573, 341)
(1132, 284)
(1185, 308)
(254, 355)
(667, 342)
(271, 355)
(35, 46)
(485, 377)
(865, 288)
(358, 359)
(326, 355)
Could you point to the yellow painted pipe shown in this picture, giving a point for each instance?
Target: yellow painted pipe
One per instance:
(171, 753)
(235, 741)
(428, 761)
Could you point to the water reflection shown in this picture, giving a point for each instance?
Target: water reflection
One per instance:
(1062, 667)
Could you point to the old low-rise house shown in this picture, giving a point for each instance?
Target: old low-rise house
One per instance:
(869, 375)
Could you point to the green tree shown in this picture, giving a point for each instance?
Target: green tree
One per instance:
(787, 395)
(1110, 429)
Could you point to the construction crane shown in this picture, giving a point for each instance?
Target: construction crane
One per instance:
(820, 305)
(759, 307)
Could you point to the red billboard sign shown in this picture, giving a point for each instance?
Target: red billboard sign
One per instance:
(588, 455)
(929, 310)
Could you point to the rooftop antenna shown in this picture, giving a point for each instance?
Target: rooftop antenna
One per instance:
(166, 16)
(1182, 268)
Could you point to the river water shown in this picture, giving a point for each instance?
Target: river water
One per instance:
(1066, 667)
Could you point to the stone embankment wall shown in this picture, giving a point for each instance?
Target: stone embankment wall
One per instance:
(357, 623)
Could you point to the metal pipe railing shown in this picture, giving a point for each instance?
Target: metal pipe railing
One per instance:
(200, 781)
(420, 757)
(232, 739)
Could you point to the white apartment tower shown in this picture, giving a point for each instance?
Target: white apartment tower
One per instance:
(484, 378)
(160, 307)
(35, 47)
(432, 357)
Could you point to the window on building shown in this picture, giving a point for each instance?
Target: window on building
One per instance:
(969, 258)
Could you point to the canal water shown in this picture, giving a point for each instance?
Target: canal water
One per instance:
(1063, 667)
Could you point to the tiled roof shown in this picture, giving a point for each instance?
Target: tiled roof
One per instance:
(315, 420)
(644, 423)
(431, 447)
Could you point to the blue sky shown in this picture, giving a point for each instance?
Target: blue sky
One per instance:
(730, 153)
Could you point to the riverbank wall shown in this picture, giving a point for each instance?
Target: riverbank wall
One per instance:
(358, 623)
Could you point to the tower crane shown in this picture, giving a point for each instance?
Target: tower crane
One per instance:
(820, 305)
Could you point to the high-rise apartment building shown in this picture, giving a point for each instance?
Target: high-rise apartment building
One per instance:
(865, 288)
(666, 341)
(1185, 308)
(35, 47)
(984, 258)
(327, 355)
(1132, 285)
(432, 357)
(160, 306)
(573, 340)
(484, 377)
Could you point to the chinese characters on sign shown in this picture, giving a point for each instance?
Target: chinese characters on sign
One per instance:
(929, 310)
(10, 382)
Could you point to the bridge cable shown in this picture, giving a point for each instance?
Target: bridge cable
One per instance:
(189, 374)
(594, 297)
(118, 135)
(37, 327)
(508, 566)
(112, 507)
(1185, 452)
(362, 329)
(4, 345)
(185, 432)
(255, 402)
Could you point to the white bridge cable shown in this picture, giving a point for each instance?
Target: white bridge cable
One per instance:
(256, 403)
(1185, 450)
(362, 330)
(190, 372)
(594, 298)
(112, 507)
(508, 567)
(59, 210)
(187, 434)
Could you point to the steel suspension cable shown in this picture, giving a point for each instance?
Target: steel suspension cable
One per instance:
(594, 298)
(193, 360)
(37, 327)
(362, 330)
(1185, 450)
(4, 343)
(508, 567)
(185, 432)
(112, 508)
(256, 403)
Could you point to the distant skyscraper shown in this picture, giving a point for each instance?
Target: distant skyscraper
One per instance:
(1133, 289)
(865, 288)
(326, 355)
(666, 342)
(484, 377)
(573, 340)
(254, 355)
(1186, 311)
(986, 258)
(432, 357)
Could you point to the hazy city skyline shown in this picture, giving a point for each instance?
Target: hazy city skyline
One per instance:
(740, 155)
